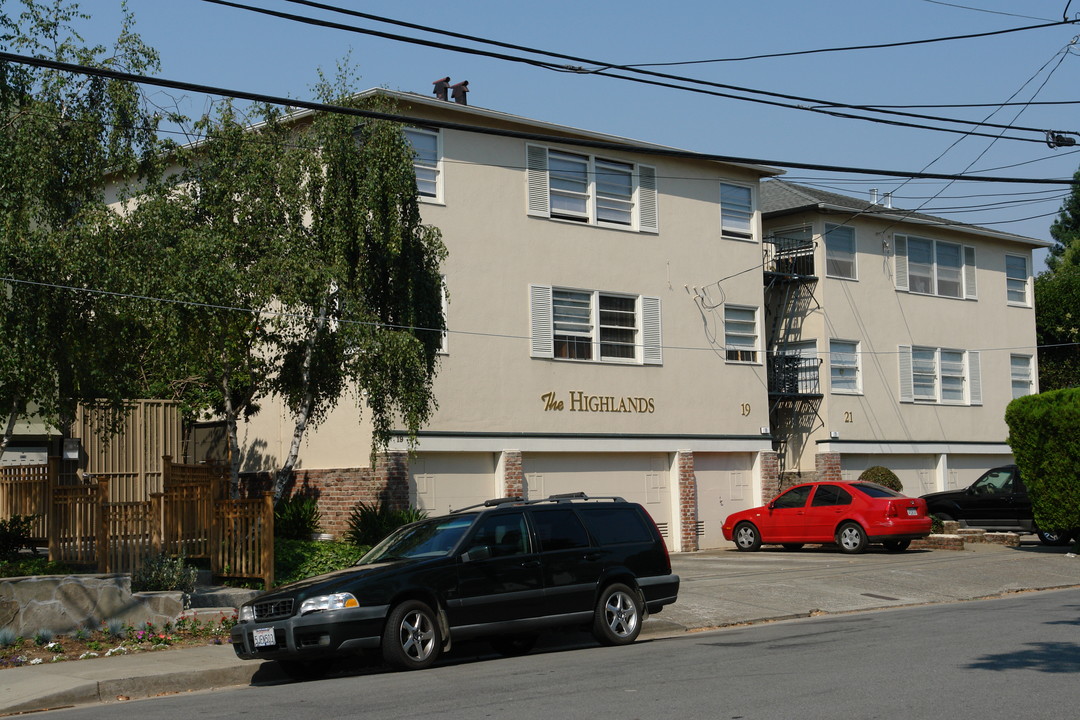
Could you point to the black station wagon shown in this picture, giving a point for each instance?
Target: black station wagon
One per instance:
(505, 570)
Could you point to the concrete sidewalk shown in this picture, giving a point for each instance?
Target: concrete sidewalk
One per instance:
(719, 588)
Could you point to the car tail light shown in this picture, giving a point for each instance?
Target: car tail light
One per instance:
(892, 511)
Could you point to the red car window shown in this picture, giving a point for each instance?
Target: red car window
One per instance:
(829, 495)
(796, 497)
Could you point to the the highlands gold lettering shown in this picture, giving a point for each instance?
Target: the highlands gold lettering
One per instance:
(550, 403)
(580, 402)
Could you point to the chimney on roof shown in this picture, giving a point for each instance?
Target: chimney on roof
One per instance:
(441, 86)
(887, 200)
(458, 90)
(873, 196)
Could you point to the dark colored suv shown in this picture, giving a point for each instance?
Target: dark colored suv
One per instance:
(505, 570)
(998, 500)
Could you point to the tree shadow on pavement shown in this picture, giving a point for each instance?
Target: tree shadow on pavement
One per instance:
(1049, 657)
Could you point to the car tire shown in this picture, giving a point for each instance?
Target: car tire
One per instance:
(411, 639)
(1053, 538)
(851, 538)
(617, 619)
(747, 538)
(793, 546)
(513, 645)
(896, 545)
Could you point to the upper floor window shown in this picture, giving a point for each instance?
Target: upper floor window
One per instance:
(1020, 369)
(844, 366)
(428, 161)
(740, 333)
(574, 324)
(736, 211)
(940, 375)
(935, 267)
(587, 189)
(840, 251)
(1016, 279)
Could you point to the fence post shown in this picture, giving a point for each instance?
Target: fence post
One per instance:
(267, 548)
(52, 524)
(156, 530)
(103, 527)
(166, 471)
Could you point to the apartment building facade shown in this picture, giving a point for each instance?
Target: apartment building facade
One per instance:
(604, 315)
(896, 338)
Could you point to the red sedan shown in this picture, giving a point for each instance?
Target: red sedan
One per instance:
(852, 515)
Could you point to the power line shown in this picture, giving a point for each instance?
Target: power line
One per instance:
(603, 69)
(538, 137)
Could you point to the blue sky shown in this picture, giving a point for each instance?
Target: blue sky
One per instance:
(210, 44)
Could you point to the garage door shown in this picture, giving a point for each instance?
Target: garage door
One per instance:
(724, 485)
(638, 477)
(916, 472)
(441, 482)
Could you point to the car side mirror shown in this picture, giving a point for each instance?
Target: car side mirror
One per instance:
(772, 505)
(480, 552)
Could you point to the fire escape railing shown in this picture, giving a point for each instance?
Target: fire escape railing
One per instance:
(789, 256)
(794, 374)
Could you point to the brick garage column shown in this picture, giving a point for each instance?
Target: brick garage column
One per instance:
(827, 466)
(770, 475)
(510, 472)
(392, 471)
(688, 515)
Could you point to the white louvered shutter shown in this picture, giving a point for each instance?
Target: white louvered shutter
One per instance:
(542, 341)
(536, 172)
(652, 350)
(648, 216)
(900, 265)
(970, 286)
(907, 383)
(974, 378)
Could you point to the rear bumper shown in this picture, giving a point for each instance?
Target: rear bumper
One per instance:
(318, 634)
(900, 529)
(659, 590)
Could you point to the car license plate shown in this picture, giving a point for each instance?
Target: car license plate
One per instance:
(912, 511)
(264, 637)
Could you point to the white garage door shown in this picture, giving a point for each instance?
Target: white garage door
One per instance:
(638, 477)
(440, 482)
(724, 485)
(916, 472)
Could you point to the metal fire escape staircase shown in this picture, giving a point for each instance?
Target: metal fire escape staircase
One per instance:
(794, 379)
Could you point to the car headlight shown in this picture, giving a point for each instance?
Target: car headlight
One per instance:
(247, 613)
(336, 601)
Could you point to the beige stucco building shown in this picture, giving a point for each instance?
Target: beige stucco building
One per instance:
(918, 333)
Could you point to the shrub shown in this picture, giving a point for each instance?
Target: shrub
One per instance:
(882, 476)
(161, 572)
(15, 535)
(368, 524)
(1044, 441)
(7, 637)
(32, 565)
(296, 518)
(299, 559)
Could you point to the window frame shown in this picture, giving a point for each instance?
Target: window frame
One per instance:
(1027, 377)
(729, 348)
(929, 375)
(552, 326)
(929, 276)
(436, 167)
(1024, 282)
(600, 200)
(855, 367)
(830, 229)
(728, 231)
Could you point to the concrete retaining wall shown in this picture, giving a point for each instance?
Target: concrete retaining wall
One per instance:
(62, 603)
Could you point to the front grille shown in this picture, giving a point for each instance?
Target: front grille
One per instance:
(273, 609)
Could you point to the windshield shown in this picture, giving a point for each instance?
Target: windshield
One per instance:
(428, 538)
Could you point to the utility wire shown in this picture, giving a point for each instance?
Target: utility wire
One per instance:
(409, 120)
(603, 69)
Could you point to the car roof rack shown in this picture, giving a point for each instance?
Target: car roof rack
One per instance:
(490, 503)
(557, 498)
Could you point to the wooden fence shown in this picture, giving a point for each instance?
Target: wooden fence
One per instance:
(191, 517)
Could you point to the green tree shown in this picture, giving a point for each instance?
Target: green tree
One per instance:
(60, 135)
(1057, 323)
(372, 299)
(1066, 227)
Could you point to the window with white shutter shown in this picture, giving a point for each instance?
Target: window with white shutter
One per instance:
(589, 325)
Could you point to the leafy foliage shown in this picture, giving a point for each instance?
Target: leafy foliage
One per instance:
(1057, 323)
(371, 522)
(298, 559)
(1066, 227)
(296, 518)
(15, 535)
(882, 476)
(1043, 438)
(161, 572)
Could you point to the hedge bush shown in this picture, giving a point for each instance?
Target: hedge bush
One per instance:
(296, 518)
(162, 572)
(370, 523)
(299, 559)
(882, 476)
(1045, 442)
